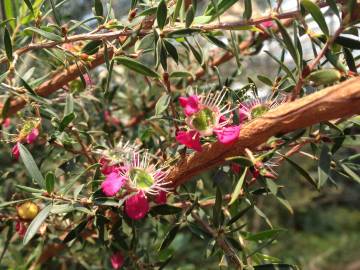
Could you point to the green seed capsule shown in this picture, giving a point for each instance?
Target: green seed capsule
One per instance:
(324, 76)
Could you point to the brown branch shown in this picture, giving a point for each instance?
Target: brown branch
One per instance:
(338, 101)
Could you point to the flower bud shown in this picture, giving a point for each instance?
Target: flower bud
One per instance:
(324, 76)
(27, 210)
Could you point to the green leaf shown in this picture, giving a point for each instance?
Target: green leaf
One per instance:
(262, 214)
(222, 6)
(216, 41)
(264, 235)
(164, 209)
(45, 34)
(99, 10)
(8, 45)
(177, 10)
(284, 67)
(324, 165)
(247, 10)
(29, 189)
(50, 182)
(181, 74)
(27, 86)
(29, 5)
(36, 223)
(238, 215)
(56, 15)
(288, 42)
(265, 80)
(171, 51)
(31, 166)
(136, 66)
(189, 18)
(348, 42)
(69, 104)
(183, 32)
(92, 47)
(217, 212)
(66, 121)
(161, 14)
(243, 161)
(162, 104)
(170, 237)
(316, 13)
(333, 6)
(350, 173)
(238, 187)
(75, 232)
(4, 204)
(147, 12)
(350, 61)
(302, 172)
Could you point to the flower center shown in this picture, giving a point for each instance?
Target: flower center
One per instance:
(203, 119)
(258, 110)
(142, 179)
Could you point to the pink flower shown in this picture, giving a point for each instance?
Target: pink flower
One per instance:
(20, 228)
(32, 136)
(258, 106)
(190, 104)
(15, 151)
(137, 206)
(106, 168)
(190, 139)
(205, 116)
(6, 122)
(267, 24)
(161, 197)
(112, 184)
(117, 260)
(228, 135)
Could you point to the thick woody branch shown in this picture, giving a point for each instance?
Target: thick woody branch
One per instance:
(341, 100)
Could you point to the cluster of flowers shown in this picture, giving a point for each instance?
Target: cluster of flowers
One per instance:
(138, 174)
(206, 116)
(28, 134)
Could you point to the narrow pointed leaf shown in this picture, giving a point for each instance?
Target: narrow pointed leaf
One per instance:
(8, 45)
(136, 66)
(302, 172)
(317, 15)
(31, 166)
(36, 223)
(238, 187)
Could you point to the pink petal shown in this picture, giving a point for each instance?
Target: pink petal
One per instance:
(243, 114)
(112, 184)
(117, 260)
(267, 24)
(32, 136)
(106, 168)
(137, 206)
(190, 104)
(20, 228)
(6, 122)
(161, 197)
(228, 135)
(190, 139)
(15, 151)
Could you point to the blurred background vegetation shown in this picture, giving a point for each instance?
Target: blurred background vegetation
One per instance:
(323, 233)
